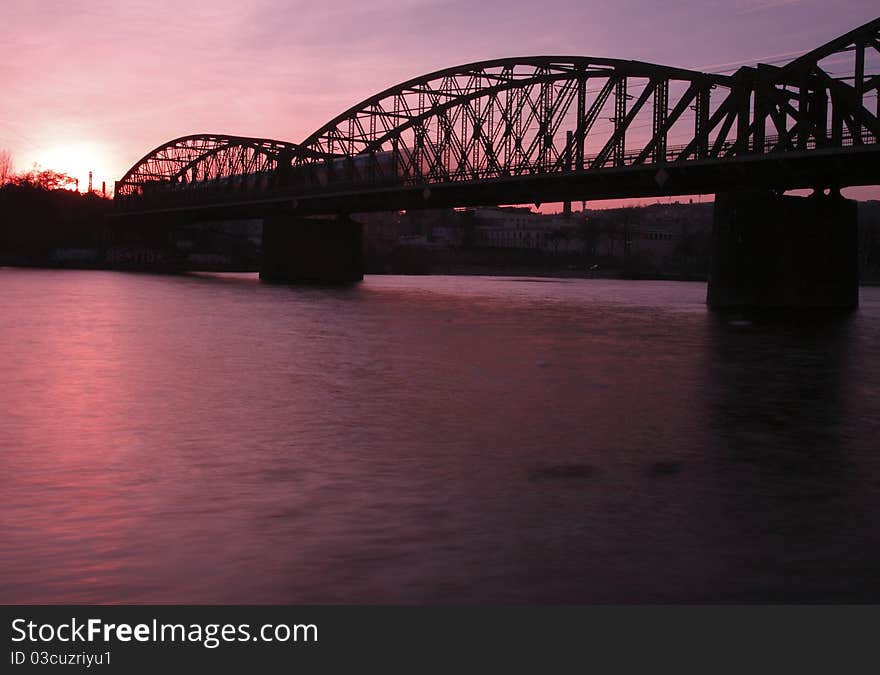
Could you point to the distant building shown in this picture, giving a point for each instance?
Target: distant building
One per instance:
(520, 227)
(656, 240)
(656, 231)
(438, 226)
(381, 231)
(429, 227)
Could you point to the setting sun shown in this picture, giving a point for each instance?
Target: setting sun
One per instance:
(76, 160)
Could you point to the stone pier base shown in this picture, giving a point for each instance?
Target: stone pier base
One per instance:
(311, 250)
(777, 251)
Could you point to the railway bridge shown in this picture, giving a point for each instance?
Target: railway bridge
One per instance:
(560, 128)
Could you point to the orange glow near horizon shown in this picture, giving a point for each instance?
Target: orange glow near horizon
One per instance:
(76, 160)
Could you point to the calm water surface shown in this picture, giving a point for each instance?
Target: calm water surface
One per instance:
(430, 439)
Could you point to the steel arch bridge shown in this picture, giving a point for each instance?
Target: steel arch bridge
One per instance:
(548, 128)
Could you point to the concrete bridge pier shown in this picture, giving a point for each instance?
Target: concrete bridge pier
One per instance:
(144, 244)
(311, 250)
(778, 251)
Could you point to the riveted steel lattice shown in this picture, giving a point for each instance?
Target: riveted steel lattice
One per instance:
(205, 161)
(539, 116)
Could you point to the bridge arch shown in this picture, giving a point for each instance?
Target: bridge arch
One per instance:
(520, 116)
(206, 161)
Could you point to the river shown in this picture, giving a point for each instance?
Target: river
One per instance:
(430, 439)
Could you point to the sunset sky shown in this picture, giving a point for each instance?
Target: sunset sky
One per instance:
(98, 84)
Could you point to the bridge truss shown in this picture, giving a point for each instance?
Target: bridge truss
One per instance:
(542, 117)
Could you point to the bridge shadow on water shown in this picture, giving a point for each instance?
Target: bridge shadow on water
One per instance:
(796, 507)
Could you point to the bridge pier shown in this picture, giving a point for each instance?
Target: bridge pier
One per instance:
(311, 250)
(779, 251)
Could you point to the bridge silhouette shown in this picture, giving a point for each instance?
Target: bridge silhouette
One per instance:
(543, 129)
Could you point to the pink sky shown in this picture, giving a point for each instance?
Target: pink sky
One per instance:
(98, 84)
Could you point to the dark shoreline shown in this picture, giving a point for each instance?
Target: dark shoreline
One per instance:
(537, 273)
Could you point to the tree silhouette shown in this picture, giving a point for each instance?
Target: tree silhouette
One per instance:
(44, 179)
(6, 173)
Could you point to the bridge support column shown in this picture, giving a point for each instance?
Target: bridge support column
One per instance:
(311, 250)
(776, 251)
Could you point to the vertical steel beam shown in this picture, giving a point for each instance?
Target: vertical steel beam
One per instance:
(836, 121)
(566, 161)
(463, 142)
(489, 137)
(581, 122)
(661, 113)
(701, 122)
(477, 129)
(620, 121)
(744, 88)
(418, 150)
(761, 108)
(806, 116)
(447, 131)
(819, 116)
(546, 113)
(859, 87)
(518, 126)
(508, 131)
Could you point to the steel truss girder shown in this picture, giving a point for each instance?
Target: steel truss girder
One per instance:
(521, 117)
(796, 101)
(204, 157)
(506, 117)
